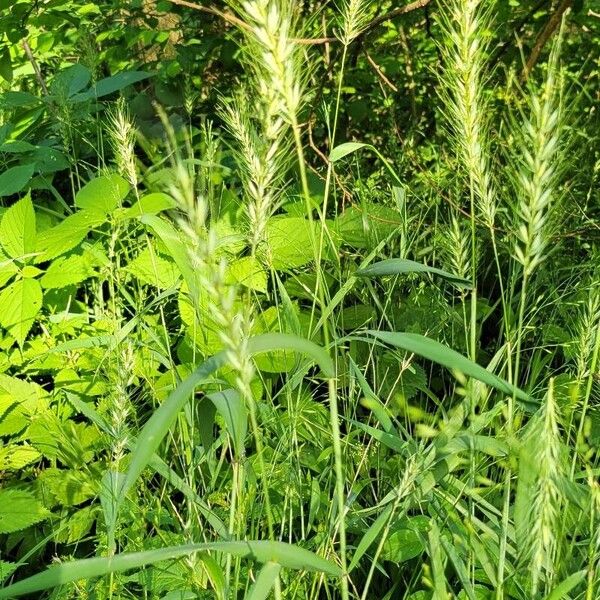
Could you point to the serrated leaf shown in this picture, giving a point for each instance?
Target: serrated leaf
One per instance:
(19, 510)
(30, 271)
(13, 180)
(103, 194)
(65, 271)
(19, 400)
(405, 540)
(67, 234)
(77, 526)
(152, 269)
(68, 487)
(71, 80)
(359, 226)
(17, 229)
(17, 99)
(175, 247)
(249, 272)
(6, 570)
(290, 243)
(17, 456)
(20, 304)
(7, 268)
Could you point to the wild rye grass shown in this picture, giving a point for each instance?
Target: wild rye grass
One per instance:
(272, 393)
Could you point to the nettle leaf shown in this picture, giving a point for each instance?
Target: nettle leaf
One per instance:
(17, 229)
(71, 80)
(65, 271)
(290, 242)
(65, 236)
(19, 401)
(405, 540)
(6, 570)
(68, 487)
(29, 271)
(77, 526)
(19, 510)
(103, 194)
(17, 456)
(152, 269)
(248, 271)
(18, 99)
(363, 226)
(13, 180)
(20, 304)
(7, 268)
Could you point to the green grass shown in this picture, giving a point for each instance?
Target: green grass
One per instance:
(234, 367)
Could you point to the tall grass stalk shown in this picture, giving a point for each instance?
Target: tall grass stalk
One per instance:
(465, 24)
(275, 59)
(233, 323)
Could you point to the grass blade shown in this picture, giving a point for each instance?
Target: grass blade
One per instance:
(565, 586)
(398, 266)
(370, 536)
(283, 554)
(442, 355)
(264, 582)
(231, 406)
(165, 415)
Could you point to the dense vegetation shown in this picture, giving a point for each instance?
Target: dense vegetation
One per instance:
(300, 299)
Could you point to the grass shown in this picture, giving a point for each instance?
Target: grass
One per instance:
(257, 389)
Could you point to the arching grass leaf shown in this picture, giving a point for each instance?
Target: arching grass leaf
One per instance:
(164, 416)
(283, 554)
(397, 266)
(442, 355)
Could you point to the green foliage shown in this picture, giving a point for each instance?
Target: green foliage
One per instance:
(292, 317)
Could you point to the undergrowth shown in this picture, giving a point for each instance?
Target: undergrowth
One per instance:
(254, 353)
